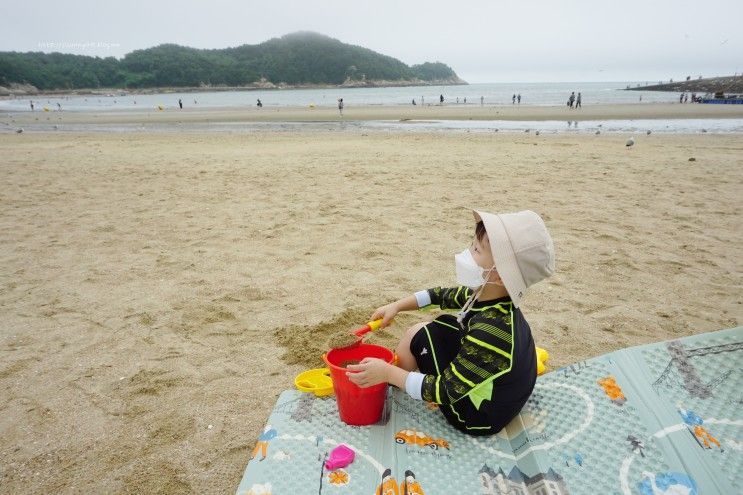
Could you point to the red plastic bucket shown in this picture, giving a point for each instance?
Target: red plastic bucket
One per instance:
(357, 406)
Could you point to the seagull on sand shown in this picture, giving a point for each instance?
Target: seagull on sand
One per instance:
(649, 131)
(537, 133)
(598, 132)
(630, 142)
(19, 130)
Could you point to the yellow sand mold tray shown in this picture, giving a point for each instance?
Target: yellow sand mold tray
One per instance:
(317, 381)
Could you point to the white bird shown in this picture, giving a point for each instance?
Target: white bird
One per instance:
(598, 132)
(630, 142)
(649, 131)
(19, 130)
(537, 133)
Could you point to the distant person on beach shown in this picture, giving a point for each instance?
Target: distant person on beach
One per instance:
(681, 98)
(260, 103)
(578, 101)
(413, 101)
(686, 98)
(194, 102)
(571, 100)
(441, 99)
(59, 106)
(32, 104)
(482, 101)
(465, 100)
(478, 364)
(518, 98)
(340, 106)
(513, 99)
(457, 100)
(422, 102)
(640, 98)
(180, 103)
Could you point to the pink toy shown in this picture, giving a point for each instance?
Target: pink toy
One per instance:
(340, 457)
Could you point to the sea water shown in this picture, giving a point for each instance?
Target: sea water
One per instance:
(539, 94)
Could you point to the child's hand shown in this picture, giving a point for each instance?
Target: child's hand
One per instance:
(370, 371)
(387, 313)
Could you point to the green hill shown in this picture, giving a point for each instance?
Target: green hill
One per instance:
(295, 59)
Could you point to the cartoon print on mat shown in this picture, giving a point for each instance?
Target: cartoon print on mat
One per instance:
(259, 489)
(637, 444)
(299, 409)
(339, 477)
(268, 434)
(680, 373)
(516, 482)
(388, 485)
(694, 424)
(282, 455)
(612, 390)
(667, 484)
(303, 412)
(578, 458)
(419, 438)
(411, 486)
(534, 416)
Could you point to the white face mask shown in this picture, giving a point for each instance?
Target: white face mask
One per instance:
(469, 273)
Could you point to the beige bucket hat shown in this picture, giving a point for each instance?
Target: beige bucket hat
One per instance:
(522, 249)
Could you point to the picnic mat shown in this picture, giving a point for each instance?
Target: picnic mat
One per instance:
(662, 418)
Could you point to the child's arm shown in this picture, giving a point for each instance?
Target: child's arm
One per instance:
(453, 298)
(372, 371)
(388, 311)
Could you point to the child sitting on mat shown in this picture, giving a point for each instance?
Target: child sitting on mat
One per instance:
(479, 365)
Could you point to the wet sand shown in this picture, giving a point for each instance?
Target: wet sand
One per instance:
(191, 115)
(160, 290)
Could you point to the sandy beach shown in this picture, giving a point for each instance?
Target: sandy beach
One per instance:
(159, 290)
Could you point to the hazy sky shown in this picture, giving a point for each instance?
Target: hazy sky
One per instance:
(483, 41)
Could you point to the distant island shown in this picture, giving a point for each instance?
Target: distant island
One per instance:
(302, 59)
(728, 84)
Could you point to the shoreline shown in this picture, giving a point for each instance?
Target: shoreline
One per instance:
(26, 92)
(192, 115)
